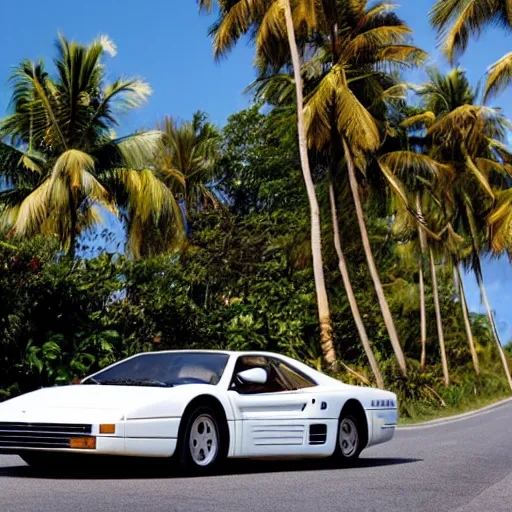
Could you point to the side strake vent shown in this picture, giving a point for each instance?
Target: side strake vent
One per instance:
(317, 434)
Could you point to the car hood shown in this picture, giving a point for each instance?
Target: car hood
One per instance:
(82, 403)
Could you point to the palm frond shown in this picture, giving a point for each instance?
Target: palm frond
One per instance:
(107, 44)
(395, 183)
(33, 211)
(205, 5)
(418, 120)
(275, 90)
(352, 119)
(150, 203)
(374, 37)
(36, 115)
(305, 14)
(479, 175)
(71, 181)
(136, 151)
(442, 14)
(236, 21)
(462, 119)
(405, 56)
(128, 93)
(187, 160)
(500, 221)
(70, 166)
(270, 28)
(379, 10)
(499, 76)
(487, 166)
(409, 163)
(396, 92)
(467, 18)
(13, 160)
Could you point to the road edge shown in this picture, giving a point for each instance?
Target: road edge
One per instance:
(457, 417)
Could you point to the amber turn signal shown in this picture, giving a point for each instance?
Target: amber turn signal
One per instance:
(107, 428)
(83, 443)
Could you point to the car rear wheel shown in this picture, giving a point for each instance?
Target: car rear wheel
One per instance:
(349, 443)
(201, 446)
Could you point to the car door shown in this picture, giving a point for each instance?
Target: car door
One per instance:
(271, 418)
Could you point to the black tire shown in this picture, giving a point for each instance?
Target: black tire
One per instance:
(349, 441)
(207, 456)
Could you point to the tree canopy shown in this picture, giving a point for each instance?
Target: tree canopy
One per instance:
(331, 221)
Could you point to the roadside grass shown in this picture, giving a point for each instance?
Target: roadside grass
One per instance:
(422, 395)
(423, 413)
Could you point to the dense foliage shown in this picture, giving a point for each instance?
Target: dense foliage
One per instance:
(244, 281)
(334, 227)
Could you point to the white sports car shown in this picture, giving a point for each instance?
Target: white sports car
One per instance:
(200, 407)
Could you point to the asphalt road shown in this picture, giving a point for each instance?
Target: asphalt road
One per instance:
(461, 466)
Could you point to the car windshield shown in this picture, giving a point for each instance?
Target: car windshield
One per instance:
(162, 369)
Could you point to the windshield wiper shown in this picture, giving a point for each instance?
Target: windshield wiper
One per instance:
(136, 382)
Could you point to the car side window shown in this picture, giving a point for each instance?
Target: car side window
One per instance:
(294, 378)
(275, 382)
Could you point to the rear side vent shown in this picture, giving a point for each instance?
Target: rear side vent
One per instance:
(317, 434)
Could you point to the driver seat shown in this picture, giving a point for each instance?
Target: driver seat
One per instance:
(198, 372)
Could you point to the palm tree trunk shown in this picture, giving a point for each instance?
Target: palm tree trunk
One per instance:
(384, 307)
(439, 321)
(423, 308)
(342, 265)
(326, 337)
(490, 314)
(465, 314)
(423, 314)
(73, 226)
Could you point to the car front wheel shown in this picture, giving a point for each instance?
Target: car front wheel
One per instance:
(201, 445)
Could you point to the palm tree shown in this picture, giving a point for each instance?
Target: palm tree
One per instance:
(459, 284)
(347, 283)
(275, 90)
(188, 158)
(457, 20)
(63, 162)
(439, 320)
(412, 173)
(468, 140)
(472, 138)
(354, 44)
(350, 45)
(421, 262)
(449, 245)
(272, 19)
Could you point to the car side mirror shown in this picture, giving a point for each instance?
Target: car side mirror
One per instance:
(253, 376)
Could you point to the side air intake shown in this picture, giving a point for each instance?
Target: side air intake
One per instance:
(317, 434)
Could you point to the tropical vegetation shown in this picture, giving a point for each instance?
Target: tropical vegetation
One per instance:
(336, 224)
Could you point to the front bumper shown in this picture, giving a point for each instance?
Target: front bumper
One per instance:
(149, 438)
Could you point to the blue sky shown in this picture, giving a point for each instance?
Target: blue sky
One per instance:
(166, 43)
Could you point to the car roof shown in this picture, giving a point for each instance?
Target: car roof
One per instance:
(227, 352)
